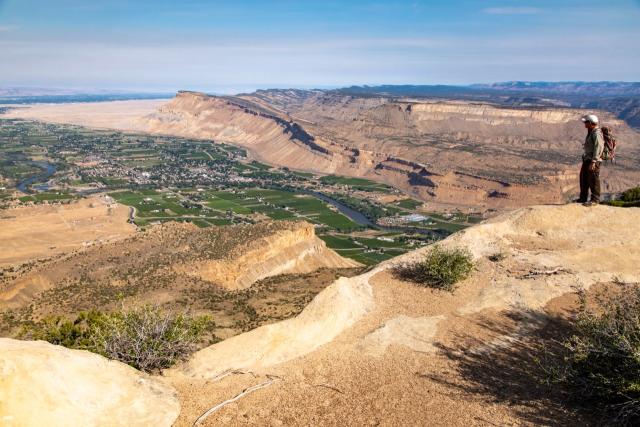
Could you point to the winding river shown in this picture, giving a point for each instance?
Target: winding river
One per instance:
(362, 220)
(48, 170)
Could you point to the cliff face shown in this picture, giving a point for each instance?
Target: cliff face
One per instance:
(470, 151)
(367, 344)
(370, 347)
(268, 137)
(170, 259)
(296, 251)
(43, 384)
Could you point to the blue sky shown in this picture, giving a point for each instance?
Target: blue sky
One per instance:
(227, 46)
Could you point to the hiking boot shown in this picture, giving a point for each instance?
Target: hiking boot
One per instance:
(590, 203)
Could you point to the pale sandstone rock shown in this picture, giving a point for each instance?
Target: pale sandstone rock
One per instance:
(415, 333)
(332, 311)
(46, 385)
(296, 251)
(561, 246)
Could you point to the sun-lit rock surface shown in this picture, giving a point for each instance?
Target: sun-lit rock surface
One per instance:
(46, 385)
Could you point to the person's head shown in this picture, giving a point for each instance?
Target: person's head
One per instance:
(590, 121)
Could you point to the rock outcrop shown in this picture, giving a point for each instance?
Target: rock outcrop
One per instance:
(373, 347)
(175, 257)
(287, 251)
(470, 149)
(46, 385)
(370, 349)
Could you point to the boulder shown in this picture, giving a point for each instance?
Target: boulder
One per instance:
(47, 385)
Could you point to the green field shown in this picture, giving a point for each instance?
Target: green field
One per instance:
(366, 250)
(278, 204)
(355, 183)
(46, 196)
(409, 204)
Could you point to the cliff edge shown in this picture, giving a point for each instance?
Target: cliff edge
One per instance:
(374, 350)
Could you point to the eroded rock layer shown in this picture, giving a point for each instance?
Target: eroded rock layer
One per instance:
(458, 153)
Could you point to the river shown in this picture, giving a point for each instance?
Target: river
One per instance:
(47, 171)
(362, 220)
(353, 214)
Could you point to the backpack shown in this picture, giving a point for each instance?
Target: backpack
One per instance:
(609, 152)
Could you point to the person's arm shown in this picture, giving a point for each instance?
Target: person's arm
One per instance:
(598, 146)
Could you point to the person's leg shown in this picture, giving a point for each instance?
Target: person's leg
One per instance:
(584, 182)
(594, 184)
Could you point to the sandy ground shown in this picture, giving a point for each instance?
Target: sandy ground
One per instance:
(348, 382)
(421, 357)
(32, 232)
(120, 115)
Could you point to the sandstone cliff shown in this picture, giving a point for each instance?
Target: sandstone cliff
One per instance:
(476, 154)
(288, 251)
(469, 151)
(46, 385)
(375, 348)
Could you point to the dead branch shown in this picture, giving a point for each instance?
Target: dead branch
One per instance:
(244, 392)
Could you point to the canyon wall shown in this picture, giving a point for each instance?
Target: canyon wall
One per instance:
(476, 155)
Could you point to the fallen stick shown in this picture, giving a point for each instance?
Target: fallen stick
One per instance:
(228, 372)
(329, 386)
(244, 392)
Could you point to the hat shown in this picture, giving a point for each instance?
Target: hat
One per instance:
(590, 118)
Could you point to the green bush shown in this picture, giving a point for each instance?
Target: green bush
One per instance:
(146, 338)
(628, 199)
(600, 362)
(441, 269)
(631, 195)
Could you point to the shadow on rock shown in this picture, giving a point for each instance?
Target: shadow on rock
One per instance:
(513, 370)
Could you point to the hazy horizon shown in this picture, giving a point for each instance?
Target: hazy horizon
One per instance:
(165, 46)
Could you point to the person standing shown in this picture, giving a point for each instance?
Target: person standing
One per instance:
(591, 161)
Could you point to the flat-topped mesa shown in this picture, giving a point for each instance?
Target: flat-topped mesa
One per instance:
(494, 115)
(270, 136)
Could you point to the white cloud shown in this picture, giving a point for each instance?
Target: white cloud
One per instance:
(521, 10)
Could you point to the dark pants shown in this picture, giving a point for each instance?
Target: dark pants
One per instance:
(589, 180)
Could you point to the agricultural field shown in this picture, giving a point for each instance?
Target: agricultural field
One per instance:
(373, 248)
(359, 184)
(163, 178)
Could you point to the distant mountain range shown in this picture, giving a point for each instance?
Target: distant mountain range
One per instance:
(620, 98)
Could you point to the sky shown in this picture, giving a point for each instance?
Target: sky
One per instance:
(239, 45)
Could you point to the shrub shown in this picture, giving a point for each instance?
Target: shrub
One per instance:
(631, 195)
(58, 330)
(600, 362)
(146, 338)
(441, 269)
(149, 339)
(628, 199)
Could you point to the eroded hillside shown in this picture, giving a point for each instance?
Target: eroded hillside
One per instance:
(457, 153)
(449, 153)
(375, 350)
(182, 266)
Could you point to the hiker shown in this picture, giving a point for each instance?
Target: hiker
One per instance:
(591, 160)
